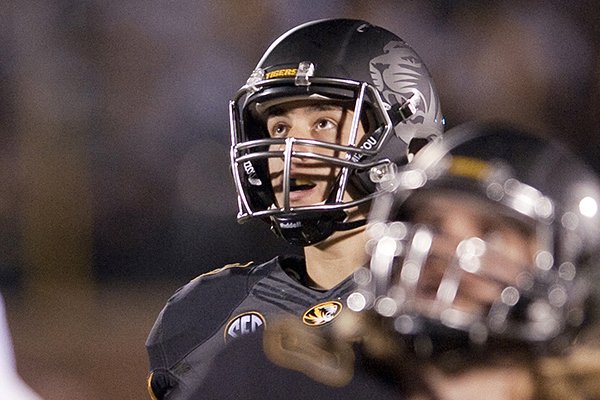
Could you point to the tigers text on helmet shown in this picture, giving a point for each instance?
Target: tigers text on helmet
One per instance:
(350, 63)
(475, 289)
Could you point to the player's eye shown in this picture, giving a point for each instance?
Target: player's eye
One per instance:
(279, 130)
(325, 124)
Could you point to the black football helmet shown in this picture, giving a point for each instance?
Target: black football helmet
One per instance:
(533, 181)
(372, 72)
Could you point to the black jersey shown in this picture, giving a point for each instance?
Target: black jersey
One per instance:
(242, 371)
(222, 305)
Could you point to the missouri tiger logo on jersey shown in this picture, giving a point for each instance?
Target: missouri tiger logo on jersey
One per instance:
(322, 313)
(244, 324)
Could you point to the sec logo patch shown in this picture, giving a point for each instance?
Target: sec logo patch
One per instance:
(244, 324)
(322, 313)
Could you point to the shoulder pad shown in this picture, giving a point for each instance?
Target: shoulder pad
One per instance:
(195, 311)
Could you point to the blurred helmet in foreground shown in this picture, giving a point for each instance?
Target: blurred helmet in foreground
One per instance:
(490, 235)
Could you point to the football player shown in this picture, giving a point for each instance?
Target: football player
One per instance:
(328, 113)
(484, 270)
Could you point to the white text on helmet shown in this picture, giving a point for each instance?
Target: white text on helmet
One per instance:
(251, 172)
(367, 145)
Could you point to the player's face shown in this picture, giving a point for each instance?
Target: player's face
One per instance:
(507, 251)
(311, 180)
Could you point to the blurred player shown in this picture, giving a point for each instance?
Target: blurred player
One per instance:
(330, 110)
(484, 271)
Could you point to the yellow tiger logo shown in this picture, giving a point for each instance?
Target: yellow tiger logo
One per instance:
(322, 313)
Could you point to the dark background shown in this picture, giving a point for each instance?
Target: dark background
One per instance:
(114, 148)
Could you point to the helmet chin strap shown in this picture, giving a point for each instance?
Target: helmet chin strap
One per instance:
(312, 228)
(347, 226)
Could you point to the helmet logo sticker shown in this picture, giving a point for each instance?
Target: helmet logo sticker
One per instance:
(396, 74)
(244, 324)
(322, 313)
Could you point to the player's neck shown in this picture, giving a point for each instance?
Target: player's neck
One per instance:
(333, 260)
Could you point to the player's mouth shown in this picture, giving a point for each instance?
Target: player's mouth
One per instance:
(297, 184)
(301, 190)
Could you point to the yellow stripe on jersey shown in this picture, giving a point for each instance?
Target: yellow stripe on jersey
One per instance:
(225, 267)
(149, 383)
